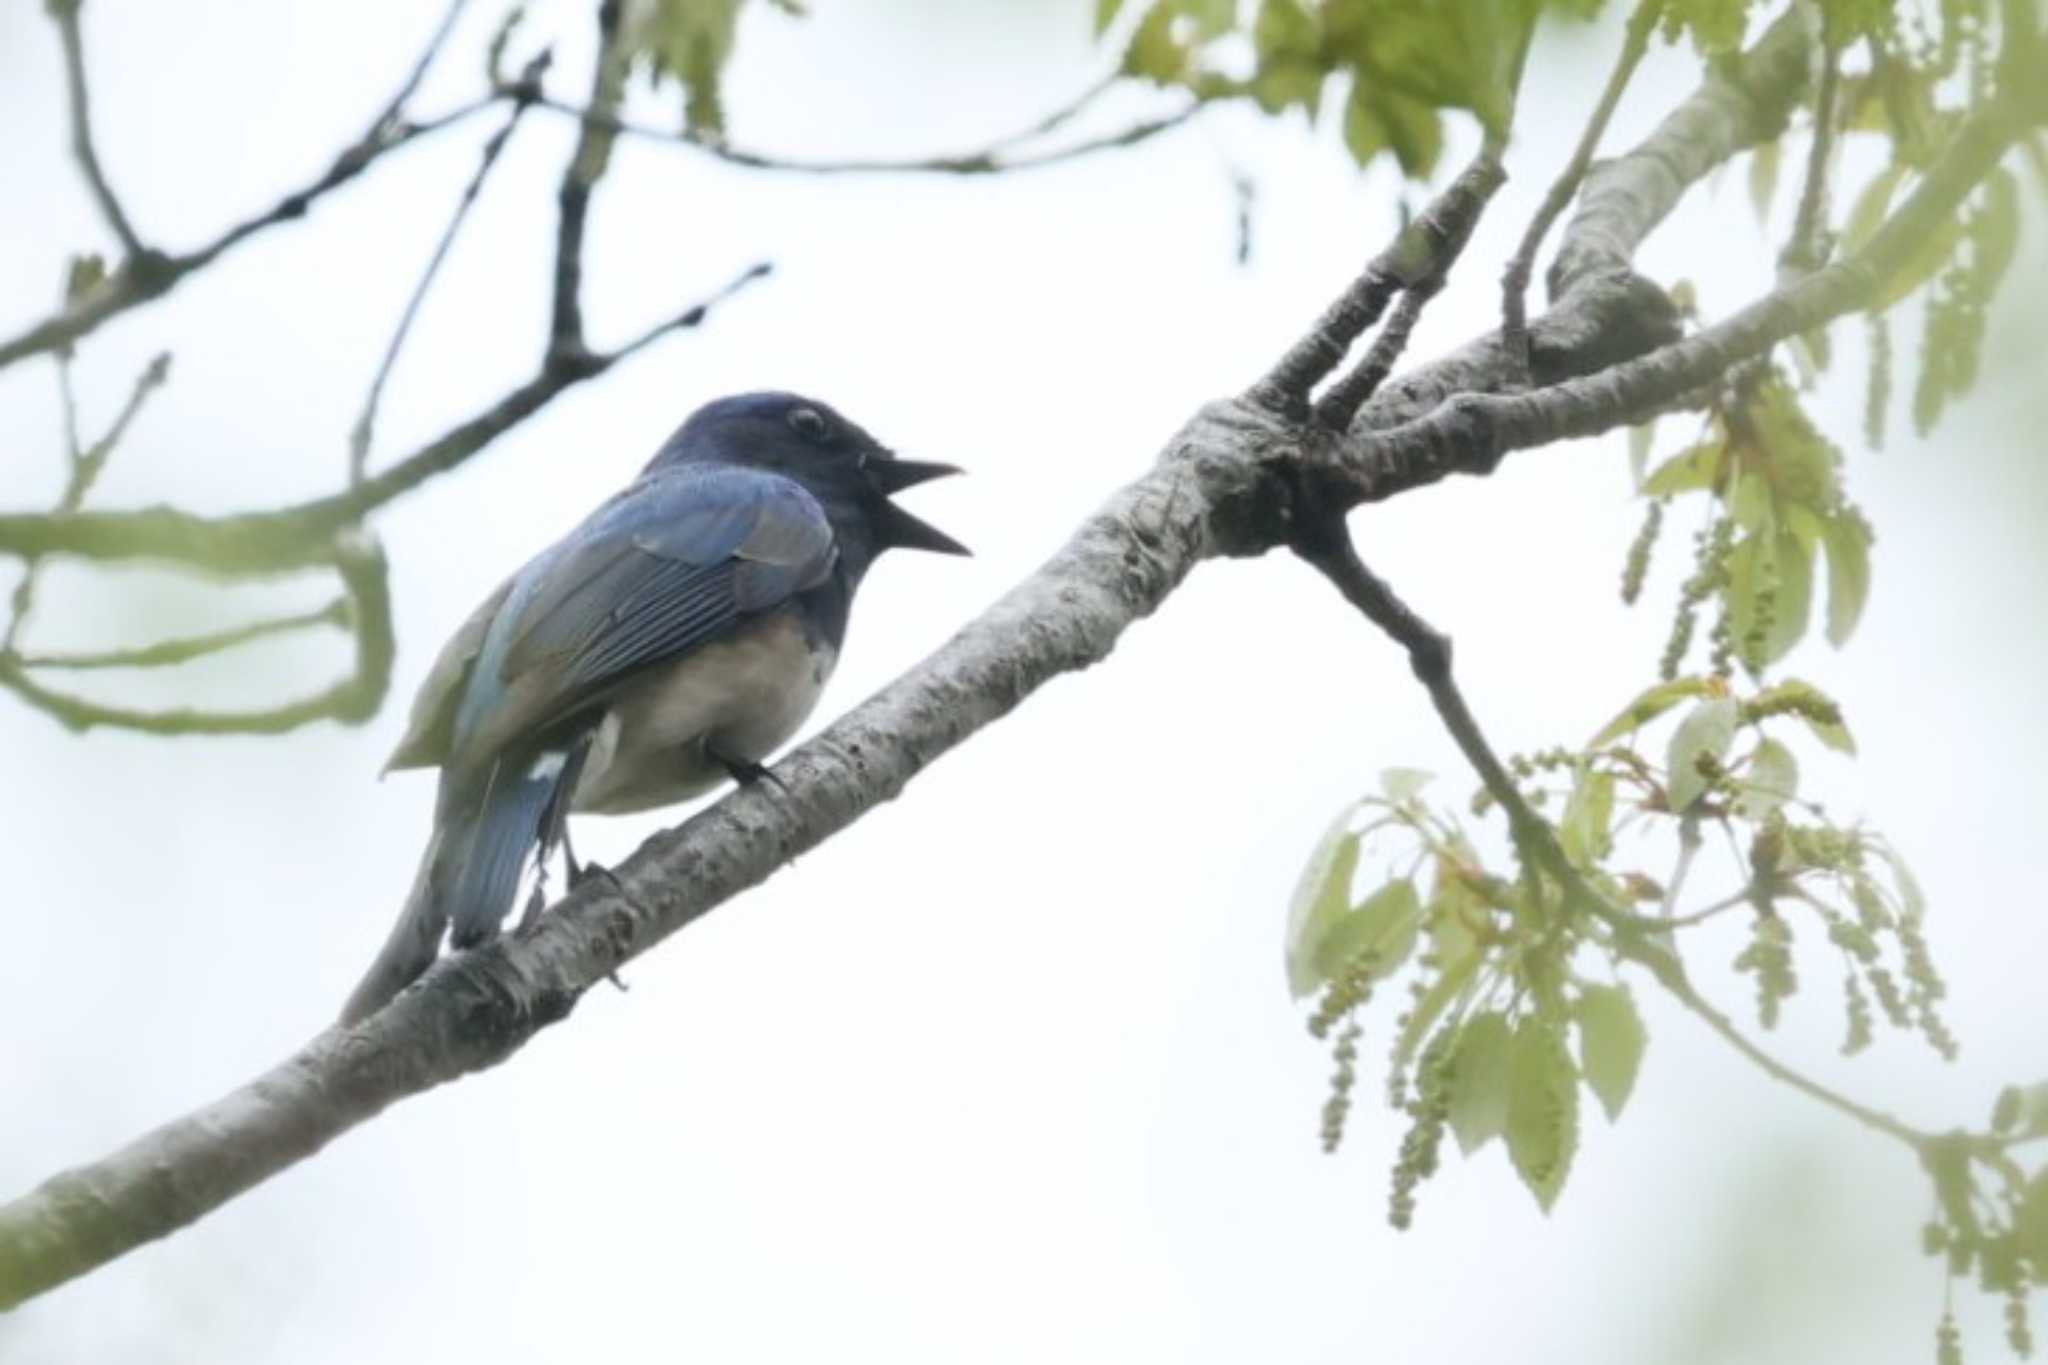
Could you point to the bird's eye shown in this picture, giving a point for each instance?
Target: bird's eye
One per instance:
(806, 423)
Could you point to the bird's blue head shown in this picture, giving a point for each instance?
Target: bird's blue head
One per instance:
(850, 472)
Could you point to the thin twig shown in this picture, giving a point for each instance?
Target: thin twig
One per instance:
(1061, 116)
(1444, 228)
(1807, 251)
(166, 653)
(395, 106)
(1688, 849)
(83, 468)
(1342, 400)
(1514, 326)
(587, 165)
(1673, 979)
(143, 278)
(1408, 260)
(65, 12)
(998, 157)
(361, 435)
(351, 700)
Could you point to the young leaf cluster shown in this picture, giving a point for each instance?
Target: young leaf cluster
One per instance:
(1775, 514)
(1398, 65)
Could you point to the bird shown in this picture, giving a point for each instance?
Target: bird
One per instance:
(670, 642)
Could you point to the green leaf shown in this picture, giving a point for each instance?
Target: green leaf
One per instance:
(2021, 1111)
(1763, 178)
(1716, 26)
(1707, 731)
(1321, 898)
(1385, 925)
(1453, 980)
(1587, 815)
(1770, 779)
(1454, 907)
(1797, 459)
(1650, 705)
(1611, 1042)
(1871, 204)
(1404, 784)
(1285, 83)
(691, 41)
(1920, 266)
(1105, 15)
(1285, 28)
(1795, 597)
(1692, 468)
(1994, 231)
(1641, 437)
(1212, 18)
(1912, 900)
(1543, 1108)
(1750, 502)
(1807, 357)
(1378, 119)
(1480, 1069)
(1770, 595)
(1847, 538)
(2030, 1223)
(1155, 52)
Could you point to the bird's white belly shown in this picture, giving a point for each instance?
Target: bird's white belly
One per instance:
(745, 695)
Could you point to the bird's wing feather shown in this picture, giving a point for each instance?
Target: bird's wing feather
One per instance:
(432, 724)
(670, 565)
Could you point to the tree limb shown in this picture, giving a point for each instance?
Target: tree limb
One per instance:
(1514, 325)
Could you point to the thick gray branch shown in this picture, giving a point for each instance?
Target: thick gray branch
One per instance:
(1602, 311)
(1471, 432)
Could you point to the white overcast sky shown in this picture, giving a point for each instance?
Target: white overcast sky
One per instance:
(1009, 1071)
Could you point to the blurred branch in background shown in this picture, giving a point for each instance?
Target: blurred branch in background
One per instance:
(308, 535)
(146, 272)
(364, 431)
(1011, 152)
(324, 533)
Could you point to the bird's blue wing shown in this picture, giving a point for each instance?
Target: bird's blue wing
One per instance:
(672, 563)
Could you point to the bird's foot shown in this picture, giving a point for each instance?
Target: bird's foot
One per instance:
(580, 873)
(535, 904)
(746, 771)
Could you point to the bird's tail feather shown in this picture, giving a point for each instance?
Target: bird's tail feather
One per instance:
(467, 878)
(478, 880)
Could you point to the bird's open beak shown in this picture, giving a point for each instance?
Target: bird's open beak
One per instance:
(893, 476)
(896, 526)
